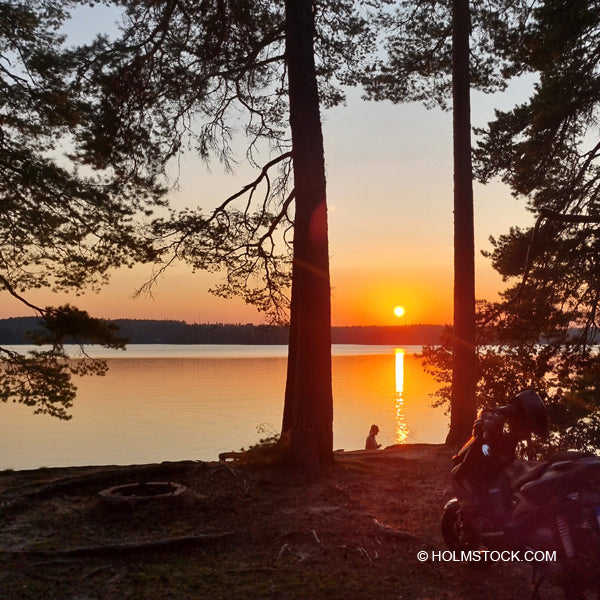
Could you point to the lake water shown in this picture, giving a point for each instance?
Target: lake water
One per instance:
(162, 402)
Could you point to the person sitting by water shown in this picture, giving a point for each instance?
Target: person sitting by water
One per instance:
(371, 443)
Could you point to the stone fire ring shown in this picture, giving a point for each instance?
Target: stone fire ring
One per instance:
(142, 493)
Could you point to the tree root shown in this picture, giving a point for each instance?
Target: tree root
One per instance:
(108, 550)
(386, 529)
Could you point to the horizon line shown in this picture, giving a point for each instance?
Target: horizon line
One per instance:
(237, 324)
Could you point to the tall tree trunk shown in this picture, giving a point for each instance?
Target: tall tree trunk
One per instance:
(308, 413)
(464, 367)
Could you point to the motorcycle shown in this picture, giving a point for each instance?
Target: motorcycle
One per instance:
(549, 508)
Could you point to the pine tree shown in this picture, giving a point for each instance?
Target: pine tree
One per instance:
(59, 229)
(181, 74)
(436, 50)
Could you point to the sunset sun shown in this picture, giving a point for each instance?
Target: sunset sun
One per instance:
(399, 311)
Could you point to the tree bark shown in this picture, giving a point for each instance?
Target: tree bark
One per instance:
(464, 366)
(308, 410)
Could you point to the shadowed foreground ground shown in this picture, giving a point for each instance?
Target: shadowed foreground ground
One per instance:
(245, 533)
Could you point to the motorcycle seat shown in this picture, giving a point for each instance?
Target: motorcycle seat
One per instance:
(557, 477)
(526, 472)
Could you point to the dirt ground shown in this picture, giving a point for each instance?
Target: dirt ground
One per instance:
(243, 532)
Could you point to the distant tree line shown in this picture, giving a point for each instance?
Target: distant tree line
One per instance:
(20, 330)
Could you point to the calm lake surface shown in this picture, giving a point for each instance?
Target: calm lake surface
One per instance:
(166, 402)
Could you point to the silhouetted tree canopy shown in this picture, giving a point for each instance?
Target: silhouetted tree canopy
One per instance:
(546, 149)
(61, 228)
(207, 78)
(436, 50)
(416, 38)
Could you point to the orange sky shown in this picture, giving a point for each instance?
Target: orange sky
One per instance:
(362, 294)
(389, 181)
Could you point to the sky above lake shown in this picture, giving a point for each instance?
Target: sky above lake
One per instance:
(389, 178)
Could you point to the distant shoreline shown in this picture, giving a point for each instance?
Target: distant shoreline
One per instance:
(13, 331)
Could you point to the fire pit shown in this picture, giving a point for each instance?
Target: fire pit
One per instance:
(142, 493)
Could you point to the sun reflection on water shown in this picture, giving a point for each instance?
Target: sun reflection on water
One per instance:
(401, 428)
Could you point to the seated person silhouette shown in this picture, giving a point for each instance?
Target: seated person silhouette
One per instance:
(371, 443)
